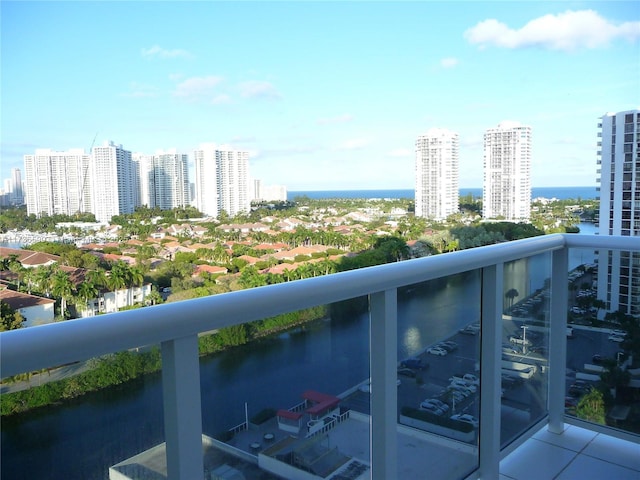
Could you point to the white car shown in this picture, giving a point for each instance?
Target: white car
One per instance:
(465, 417)
(464, 391)
(431, 408)
(434, 402)
(456, 382)
(616, 338)
(619, 333)
(437, 351)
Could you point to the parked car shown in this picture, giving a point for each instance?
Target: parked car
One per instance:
(462, 383)
(619, 333)
(431, 408)
(469, 330)
(597, 359)
(450, 344)
(465, 417)
(616, 338)
(436, 403)
(437, 351)
(464, 391)
(415, 363)
(578, 389)
(468, 378)
(407, 372)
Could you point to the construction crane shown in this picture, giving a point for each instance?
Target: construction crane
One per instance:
(84, 176)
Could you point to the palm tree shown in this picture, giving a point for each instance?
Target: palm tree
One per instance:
(62, 287)
(85, 292)
(98, 279)
(511, 294)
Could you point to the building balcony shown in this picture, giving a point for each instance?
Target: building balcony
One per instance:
(462, 365)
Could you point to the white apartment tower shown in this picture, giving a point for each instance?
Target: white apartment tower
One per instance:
(619, 161)
(170, 180)
(143, 179)
(437, 177)
(57, 182)
(113, 181)
(222, 180)
(17, 194)
(506, 191)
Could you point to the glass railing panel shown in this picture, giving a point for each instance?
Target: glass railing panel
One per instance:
(293, 393)
(78, 433)
(438, 373)
(525, 341)
(603, 368)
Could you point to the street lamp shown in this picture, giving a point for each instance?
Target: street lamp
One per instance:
(618, 357)
(524, 338)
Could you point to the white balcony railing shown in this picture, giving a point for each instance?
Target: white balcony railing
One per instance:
(176, 326)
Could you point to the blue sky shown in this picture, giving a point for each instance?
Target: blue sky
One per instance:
(324, 95)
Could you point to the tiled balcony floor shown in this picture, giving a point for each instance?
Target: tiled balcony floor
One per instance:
(576, 454)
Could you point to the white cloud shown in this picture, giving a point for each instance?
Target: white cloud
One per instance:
(221, 99)
(353, 144)
(141, 90)
(259, 89)
(158, 52)
(400, 152)
(198, 88)
(337, 119)
(566, 31)
(448, 62)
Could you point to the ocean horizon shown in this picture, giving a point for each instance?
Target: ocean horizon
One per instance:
(561, 193)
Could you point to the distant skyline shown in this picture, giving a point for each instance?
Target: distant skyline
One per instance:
(323, 95)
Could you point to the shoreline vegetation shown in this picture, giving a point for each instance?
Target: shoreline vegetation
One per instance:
(116, 369)
(373, 241)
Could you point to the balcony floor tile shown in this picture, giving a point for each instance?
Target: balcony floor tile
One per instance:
(589, 468)
(573, 438)
(535, 460)
(576, 453)
(610, 449)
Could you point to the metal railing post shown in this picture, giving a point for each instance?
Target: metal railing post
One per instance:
(384, 391)
(490, 368)
(558, 339)
(182, 408)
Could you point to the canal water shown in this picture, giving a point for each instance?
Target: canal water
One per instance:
(81, 439)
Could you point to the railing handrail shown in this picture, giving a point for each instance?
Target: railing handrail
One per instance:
(34, 348)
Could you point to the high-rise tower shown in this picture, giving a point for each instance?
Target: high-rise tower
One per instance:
(57, 182)
(619, 160)
(506, 191)
(222, 180)
(113, 181)
(437, 178)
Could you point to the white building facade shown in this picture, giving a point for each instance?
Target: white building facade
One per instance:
(619, 169)
(437, 175)
(57, 182)
(222, 180)
(113, 181)
(170, 180)
(506, 193)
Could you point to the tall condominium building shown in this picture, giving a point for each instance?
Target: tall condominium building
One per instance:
(57, 182)
(170, 180)
(507, 172)
(268, 193)
(619, 160)
(17, 195)
(144, 180)
(112, 180)
(437, 178)
(222, 180)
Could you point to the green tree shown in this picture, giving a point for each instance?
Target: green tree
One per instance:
(9, 318)
(85, 292)
(591, 407)
(62, 287)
